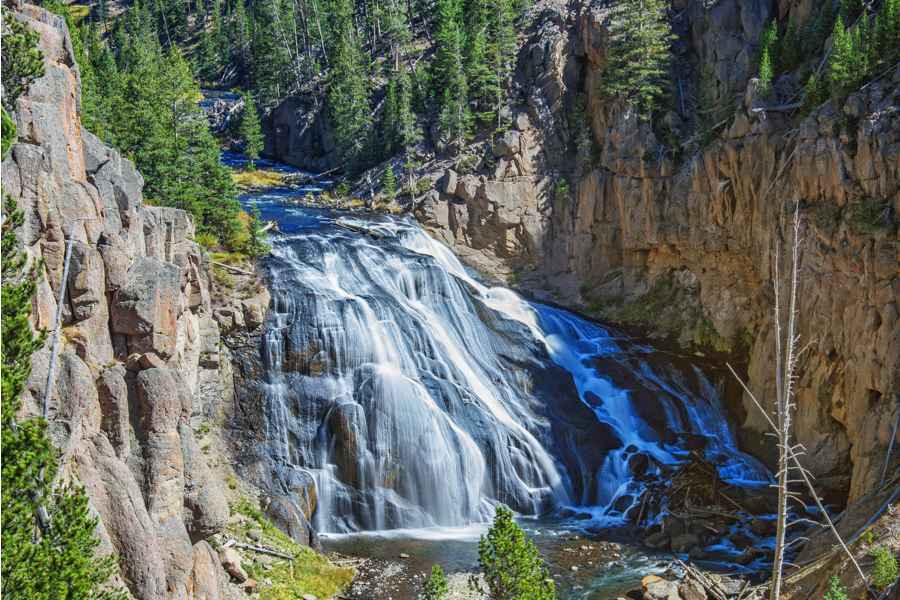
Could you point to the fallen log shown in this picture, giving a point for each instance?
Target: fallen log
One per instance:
(231, 268)
(263, 550)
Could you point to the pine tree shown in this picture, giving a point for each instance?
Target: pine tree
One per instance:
(436, 587)
(639, 54)
(271, 61)
(22, 59)
(765, 73)
(250, 131)
(510, 563)
(389, 120)
(842, 60)
(789, 52)
(256, 242)
(49, 540)
(887, 32)
(348, 92)
(408, 134)
(389, 183)
(448, 75)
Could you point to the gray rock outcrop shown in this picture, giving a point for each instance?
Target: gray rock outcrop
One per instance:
(139, 348)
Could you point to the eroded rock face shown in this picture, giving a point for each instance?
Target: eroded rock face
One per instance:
(685, 248)
(132, 362)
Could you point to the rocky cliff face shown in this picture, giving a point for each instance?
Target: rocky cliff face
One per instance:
(139, 358)
(682, 243)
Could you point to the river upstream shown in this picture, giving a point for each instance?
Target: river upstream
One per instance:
(419, 398)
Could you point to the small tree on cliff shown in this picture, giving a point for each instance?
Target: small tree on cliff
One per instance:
(49, 540)
(511, 565)
(22, 59)
(639, 54)
(256, 242)
(250, 131)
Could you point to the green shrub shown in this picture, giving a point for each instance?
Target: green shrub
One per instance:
(885, 571)
(561, 189)
(836, 590)
(436, 587)
(512, 567)
(208, 241)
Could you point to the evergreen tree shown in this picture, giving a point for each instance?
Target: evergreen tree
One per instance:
(789, 52)
(256, 242)
(510, 562)
(842, 61)
(348, 92)
(22, 59)
(389, 183)
(271, 61)
(765, 73)
(408, 134)
(887, 32)
(49, 540)
(436, 587)
(389, 120)
(639, 54)
(250, 131)
(395, 29)
(819, 28)
(448, 75)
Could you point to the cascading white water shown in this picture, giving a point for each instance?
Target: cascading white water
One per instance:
(416, 396)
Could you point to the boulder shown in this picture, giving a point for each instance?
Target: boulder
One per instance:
(231, 561)
(447, 183)
(657, 588)
(285, 515)
(507, 144)
(689, 589)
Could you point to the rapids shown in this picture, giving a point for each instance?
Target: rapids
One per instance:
(416, 396)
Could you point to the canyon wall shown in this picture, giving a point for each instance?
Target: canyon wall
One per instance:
(138, 379)
(587, 205)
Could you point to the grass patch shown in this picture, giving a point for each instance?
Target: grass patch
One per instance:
(309, 572)
(258, 178)
(706, 336)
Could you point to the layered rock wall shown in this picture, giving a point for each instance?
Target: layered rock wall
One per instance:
(138, 363)
(679, 238)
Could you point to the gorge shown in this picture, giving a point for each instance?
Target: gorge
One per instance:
(342, 375)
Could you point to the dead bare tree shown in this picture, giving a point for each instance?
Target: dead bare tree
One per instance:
(787, 354)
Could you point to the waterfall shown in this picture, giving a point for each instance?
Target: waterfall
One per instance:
(416, 396)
